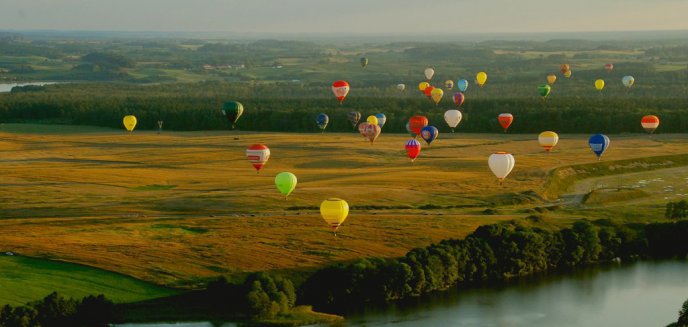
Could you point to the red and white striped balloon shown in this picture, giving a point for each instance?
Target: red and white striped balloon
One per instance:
(258, 155)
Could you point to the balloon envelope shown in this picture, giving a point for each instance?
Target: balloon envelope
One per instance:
(371, 132)
(437, 95)
(381, 119)
(429, 133)
(258, 155)
(505, 119)
(568, 74)
(340, 90)
(481, 78)
(544, 90)
(628, 81)
(129, 122)
(453, 118)
(422, 86)
(551, 78)
(462, 85)
(372, 120)
(232, 110)
(598, 144)
(548, 140)
(458, 98)
(429, 72)
(334, 211)
(364, 62)
(449, 84)
(416, 123)
(401, 87)
(322, 120)
(565, 68)
(354, 117)
(609, 67)
(650, 123)
(285, 182)
(599, 84)
(428, 91)
(412, 149)
(501, 164)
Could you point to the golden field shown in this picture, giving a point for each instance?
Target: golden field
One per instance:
(181, 207)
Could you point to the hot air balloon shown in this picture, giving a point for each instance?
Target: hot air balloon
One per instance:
(362, 127)
(628, 81)
(599, 84)
(501, 164)
(258, 155)
(458, 98)
(401, 87)
(416, 123)
(340, 90)
(429, 133)
(505, 119)
(436, 95)
(548, 140)
(429, 72)
(322, 120)
(408, 129)
(598, 144)
(372, 120)
(544, 90)
(334, 211)
(481, 78)
(232, 110)
(568, 74)
(449, 84)
(551, 78)
(364, 62)
(462, 85)
(129, 122)
(428, 91)
(453, 118)
(354, 117)
(650, 123)
(371, 132)
(422, 86)
(565, 68)
(609, 67)
(381, 119)
(412, 149)
(285, 182)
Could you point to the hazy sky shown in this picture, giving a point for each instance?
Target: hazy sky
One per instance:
(345, 16)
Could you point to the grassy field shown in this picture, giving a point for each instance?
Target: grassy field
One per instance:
(24, 279)
(180, 208)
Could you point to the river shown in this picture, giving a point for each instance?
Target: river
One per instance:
(637, 294)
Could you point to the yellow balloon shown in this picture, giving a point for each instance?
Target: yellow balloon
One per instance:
(567, 74)
(334, 211)
(436, 95)
(548, 140)
(481, 78)
(551, 78)
(129, 122)
(372, 120)
(599, 84)
(423, 85)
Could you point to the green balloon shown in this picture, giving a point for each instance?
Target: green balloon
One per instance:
(364, 62)
(544, 90)
(232, 110)
(285, 182)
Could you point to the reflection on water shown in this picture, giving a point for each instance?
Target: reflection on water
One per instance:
(8, 87)
(179, 324)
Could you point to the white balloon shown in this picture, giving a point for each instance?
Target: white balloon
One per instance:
(429, 73)
(401, 87)
(453, 118)
(628, 81)
(501, 164)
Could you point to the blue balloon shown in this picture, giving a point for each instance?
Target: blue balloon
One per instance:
(429, 133)
(599, 143)
(462, 84)
(322, 121)
(381, 119)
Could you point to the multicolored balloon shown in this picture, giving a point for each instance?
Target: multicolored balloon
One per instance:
(340, 90)
(548, 140)
(458, 98)
(371, 131)
(412, 149)
(322, 120)
(505, 119)
(501, 164)
(565, 68)
(429, 133)
(354, 117)
(650, 123)
(258, 155)
(381, 119)
(417, 122)
(462, 85)
(232, 110)
(453, 118)
(448, 84)
(568, 74)
(598, 144)
(285, 183)
(129, 122)
(334, 211)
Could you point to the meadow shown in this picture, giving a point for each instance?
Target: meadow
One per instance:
(180, 208)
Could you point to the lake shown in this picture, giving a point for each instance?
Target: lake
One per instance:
(636, 294)
(8, 87)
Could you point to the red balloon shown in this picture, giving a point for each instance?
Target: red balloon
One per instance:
(459, 98)
(258, 155)
(361, 128)
(370, 131)
(609, 67)
(412, 149)
(428, 91)
(340, 90)
(505, 120)
(416, 123)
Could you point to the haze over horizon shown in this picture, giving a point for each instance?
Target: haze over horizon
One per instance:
(342, 17)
